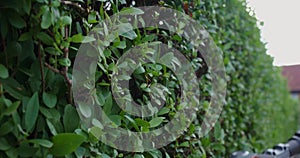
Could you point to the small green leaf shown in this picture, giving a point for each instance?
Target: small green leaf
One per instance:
(185, 144)
(121, 45)
(95, 133)
(65, 62)
(156, 121)
(70, 118)
(139, 70)
(45, 38)
(107, 107)
(42, 142)
(14, 88)
(25, 36)
(126, 30)
(51, 127)
(26, 150)
(138, 156)
(49, 100)
(116, 119)
(142, 123)
(132, 122)
(32, 110)
(4, 145)
(92, 18)
(131, 11)
(12, 108)
(27, 6)
(16, 20)
(122, 1)
(130, 35)
(85, 109)
(3, 72)
(77, 38)
(87, 39)
(6, 128)
(66, 143)
(52, 51)
(163, 111)
(66, 20)
(46, 20)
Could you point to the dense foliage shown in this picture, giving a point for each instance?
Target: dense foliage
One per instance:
(39, 42)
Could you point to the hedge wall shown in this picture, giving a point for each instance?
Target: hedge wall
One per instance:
(39, 42)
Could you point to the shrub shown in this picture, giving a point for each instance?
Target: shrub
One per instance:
(40, 40)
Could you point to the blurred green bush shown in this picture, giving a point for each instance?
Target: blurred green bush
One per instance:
(39, 41)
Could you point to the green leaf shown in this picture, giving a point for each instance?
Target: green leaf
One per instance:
(26, 150)
(27, 6)
(156, 121)
(163, 111)
(45, 38)
(85, 109)
(126, 30)
(66, 143)
(14, 48)
(14, 88)
(4, 145)
(138, 156)
(25, 36)
(70, 118)
(185, 144)
(139, 70)
(80, 152)
(77, 38)
(121, 44)
(64, 62)
(16, 20)
(52, 51)
(132, 122)
(6, 128)
(87, 39)
(42, 142)
(122, 1)
(92, 18)
(32, 111)
(49, 100)
(142, 123)
(46, 20)
(95, 133)
(218, 131)
(3, 72)
(12, 108)
(51, 127)
(107, 107)
(116, 119)
(66, 20)
(131, 11)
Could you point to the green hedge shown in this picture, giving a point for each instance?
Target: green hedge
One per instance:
(39, 42)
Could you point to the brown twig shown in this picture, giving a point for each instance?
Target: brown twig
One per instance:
(66, 68)
(41, 67)
(52, 68)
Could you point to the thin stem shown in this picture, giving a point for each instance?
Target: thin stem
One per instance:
(52, 68)
(66, 68)
(41, 66)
